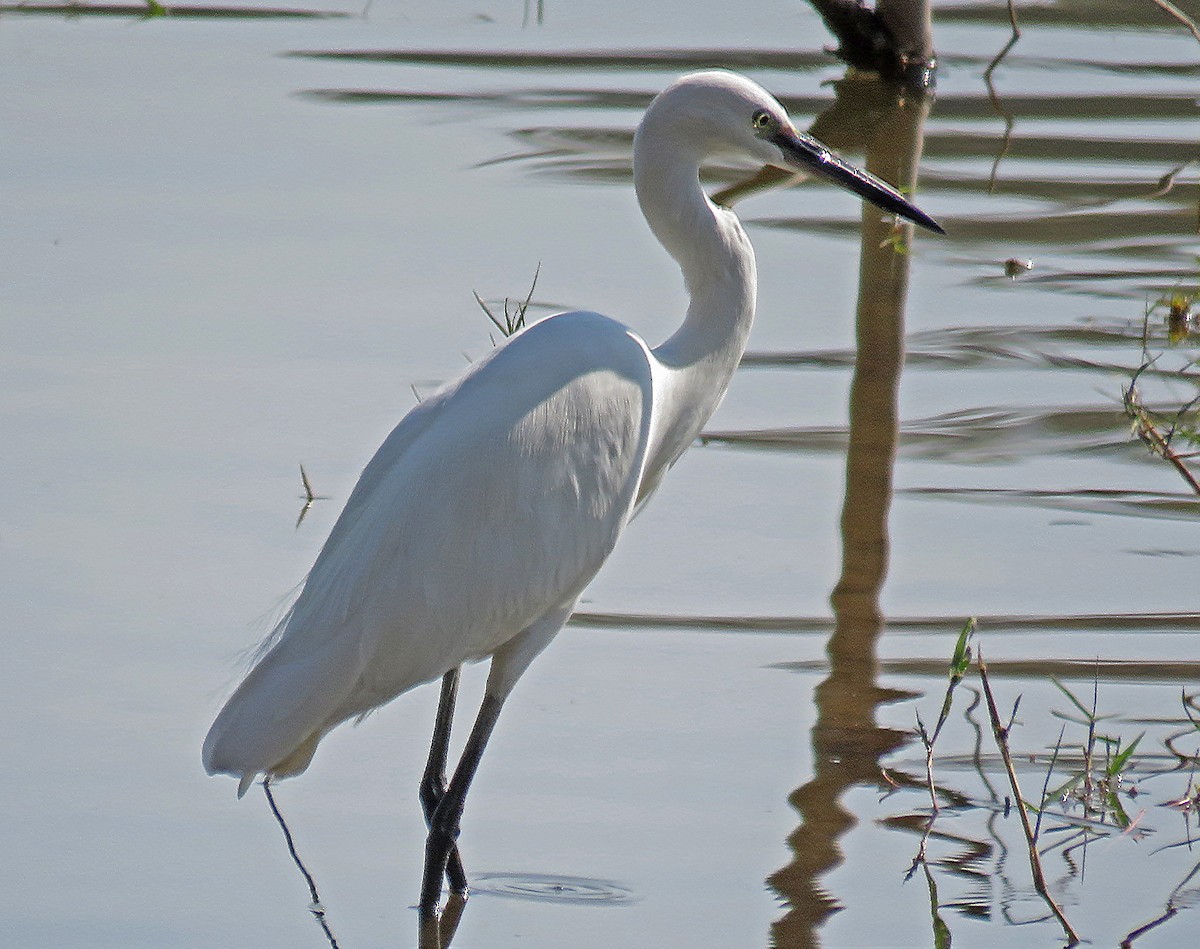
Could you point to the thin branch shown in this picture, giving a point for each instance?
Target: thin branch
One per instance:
(1000, 733)
(1145, 428)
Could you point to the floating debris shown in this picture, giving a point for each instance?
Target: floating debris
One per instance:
(1015, 266)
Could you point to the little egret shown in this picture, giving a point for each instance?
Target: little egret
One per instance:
(490, 507)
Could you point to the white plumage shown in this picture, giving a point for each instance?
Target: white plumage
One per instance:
(490, 507)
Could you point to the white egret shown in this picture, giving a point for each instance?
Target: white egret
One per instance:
(490, 507)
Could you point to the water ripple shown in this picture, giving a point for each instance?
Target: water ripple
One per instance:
(544, 887)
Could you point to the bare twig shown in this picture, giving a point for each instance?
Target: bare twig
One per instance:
(1146, 429)
(1035, 864)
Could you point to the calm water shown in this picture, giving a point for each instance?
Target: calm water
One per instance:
(231, 244)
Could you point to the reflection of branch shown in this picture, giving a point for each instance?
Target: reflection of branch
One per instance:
(1012, 41)
(1167, 181)
(995, 99)
(1142, 930)
(316, 907)
(541, 13)
(1171, 910)
(1000, 732)
(941, 932)
(1179, 15)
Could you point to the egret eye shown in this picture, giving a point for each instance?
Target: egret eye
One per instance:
(762, 120)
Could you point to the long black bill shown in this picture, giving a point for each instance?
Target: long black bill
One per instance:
(806, 153)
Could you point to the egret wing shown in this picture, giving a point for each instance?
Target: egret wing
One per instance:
(491, 504)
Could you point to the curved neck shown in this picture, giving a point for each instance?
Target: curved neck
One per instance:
(711, 249)
(718, 268)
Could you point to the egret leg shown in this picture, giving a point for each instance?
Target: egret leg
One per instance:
(444, 825)
(433, 783)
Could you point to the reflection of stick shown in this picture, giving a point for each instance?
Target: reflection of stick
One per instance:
(995, 99)
(1012, 41)
(941, 932)
(1179, 15)
(764, 180)
(1142, 930)
(316, 908)
(1167, 181)
(1035, 863)
(1171, 910)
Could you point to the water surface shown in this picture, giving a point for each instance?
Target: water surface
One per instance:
(235, 241)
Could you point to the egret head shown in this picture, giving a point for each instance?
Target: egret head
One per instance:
(724, 114)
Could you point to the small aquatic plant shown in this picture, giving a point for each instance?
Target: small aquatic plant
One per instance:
(513, 318)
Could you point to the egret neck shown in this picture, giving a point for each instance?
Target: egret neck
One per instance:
(719, 272)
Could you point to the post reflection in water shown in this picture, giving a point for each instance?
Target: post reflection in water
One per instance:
(847, 743)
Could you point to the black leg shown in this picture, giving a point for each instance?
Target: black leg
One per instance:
(433, 783)
(444, 824)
